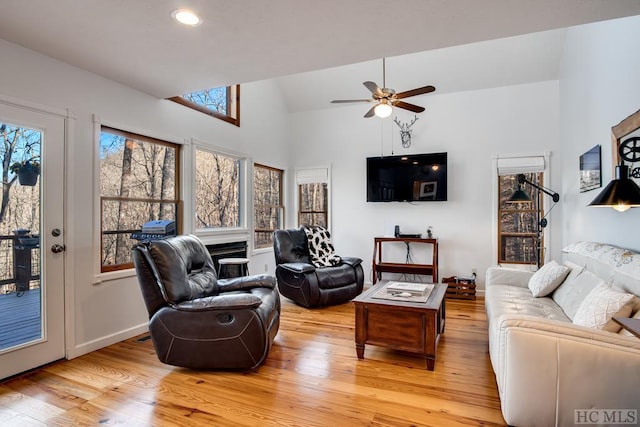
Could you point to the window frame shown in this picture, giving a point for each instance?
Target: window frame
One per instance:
(537, 212)
(241, 231)
(177, 201)
(311, 175)
(233, 106)
(280, 207)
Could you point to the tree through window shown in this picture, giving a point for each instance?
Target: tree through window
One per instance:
(518, 223)
(268, 205)
(138, 183)
(220, 102)
(217, 190)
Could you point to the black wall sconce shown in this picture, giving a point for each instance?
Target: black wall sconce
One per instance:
(622, 193)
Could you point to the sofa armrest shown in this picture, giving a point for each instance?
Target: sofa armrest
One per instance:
(548, 369)
(298, 267)
(507, 276)
(352, 261)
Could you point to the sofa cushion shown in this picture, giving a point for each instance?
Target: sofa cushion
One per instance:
(547, 279)
(320, 247)
(507, 299)
(574, 289)
(600, 305)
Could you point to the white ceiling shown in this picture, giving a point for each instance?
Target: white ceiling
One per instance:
(136, 43)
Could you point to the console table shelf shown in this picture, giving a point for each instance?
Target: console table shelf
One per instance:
(380, 267)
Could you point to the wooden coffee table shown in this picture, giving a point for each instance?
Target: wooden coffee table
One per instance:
(407, 326)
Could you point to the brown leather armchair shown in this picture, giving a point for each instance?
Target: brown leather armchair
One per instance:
(307, 285)
(197, 321)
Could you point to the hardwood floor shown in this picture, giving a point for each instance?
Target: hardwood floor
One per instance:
(311, 378)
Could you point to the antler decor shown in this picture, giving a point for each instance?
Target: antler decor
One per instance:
(405, 131)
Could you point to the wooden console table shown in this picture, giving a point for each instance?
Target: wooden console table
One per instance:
(380, 267)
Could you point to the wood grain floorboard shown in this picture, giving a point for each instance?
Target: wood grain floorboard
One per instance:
(312, 377)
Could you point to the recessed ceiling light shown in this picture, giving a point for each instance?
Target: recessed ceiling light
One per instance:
(186, 17)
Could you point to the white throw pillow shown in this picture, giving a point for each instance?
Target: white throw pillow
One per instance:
(600, 305)
(547, 279)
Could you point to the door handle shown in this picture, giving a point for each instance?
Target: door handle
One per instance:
(56, 249)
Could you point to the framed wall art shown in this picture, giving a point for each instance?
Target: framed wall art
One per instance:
(590, 170)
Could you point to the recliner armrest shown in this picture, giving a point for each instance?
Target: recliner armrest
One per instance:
(298, 267)
(246, 282)
(352, 261)
(221, 302)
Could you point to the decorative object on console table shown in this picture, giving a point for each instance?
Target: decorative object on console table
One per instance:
(461, 287)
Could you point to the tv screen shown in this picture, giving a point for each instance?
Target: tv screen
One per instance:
(410, 178)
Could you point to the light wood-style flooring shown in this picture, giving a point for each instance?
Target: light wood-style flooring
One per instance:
(312, 377)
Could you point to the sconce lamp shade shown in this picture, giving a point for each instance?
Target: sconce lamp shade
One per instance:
(519, 196)
(383, 110)
(621, 194)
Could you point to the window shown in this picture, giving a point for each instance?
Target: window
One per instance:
(267, 204)
(220, 102)
(518, 223)
(313, 196)
(313, 208)
(138, 183)
(217, 190)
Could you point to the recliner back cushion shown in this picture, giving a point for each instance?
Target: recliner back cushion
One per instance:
(185, 268)
(290, 246)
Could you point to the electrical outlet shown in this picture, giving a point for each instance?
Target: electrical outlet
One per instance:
(474, 271)
(265, 268)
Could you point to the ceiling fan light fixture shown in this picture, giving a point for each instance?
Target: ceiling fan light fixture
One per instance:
(383, 110)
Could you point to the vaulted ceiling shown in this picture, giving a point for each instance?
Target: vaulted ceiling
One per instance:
(138, 44)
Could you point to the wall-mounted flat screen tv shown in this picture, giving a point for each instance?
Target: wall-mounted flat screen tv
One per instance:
(410, 178)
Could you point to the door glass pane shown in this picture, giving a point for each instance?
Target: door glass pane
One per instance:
(20, 293)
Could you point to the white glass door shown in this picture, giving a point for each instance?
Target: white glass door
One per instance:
(31, 239)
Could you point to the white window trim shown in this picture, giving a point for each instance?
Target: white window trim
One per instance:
(253, 249)
(311, 174)
(511, 164)
(221, 235)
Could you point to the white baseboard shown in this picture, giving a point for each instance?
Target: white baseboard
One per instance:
(106, 341)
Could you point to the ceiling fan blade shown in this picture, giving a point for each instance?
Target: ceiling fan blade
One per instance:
(414, 92)
(371, 112)
(407, 106)
(375, 90)
(343, 101)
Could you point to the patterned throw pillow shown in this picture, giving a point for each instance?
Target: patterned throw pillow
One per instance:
(600, 305)
(320, 247)
(547, 279)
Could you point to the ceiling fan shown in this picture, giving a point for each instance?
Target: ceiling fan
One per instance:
(386, 98)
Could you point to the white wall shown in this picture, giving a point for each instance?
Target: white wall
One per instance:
(471, 127)
(599, 86)
(103, 310)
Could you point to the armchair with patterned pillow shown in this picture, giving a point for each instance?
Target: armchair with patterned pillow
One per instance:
(310, 273)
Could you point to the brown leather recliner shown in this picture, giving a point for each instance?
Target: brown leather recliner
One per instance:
(197, 321)
(307, 285)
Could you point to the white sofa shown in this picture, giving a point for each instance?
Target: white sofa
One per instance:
(546, 366)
